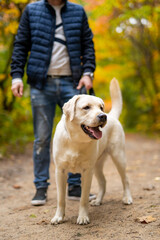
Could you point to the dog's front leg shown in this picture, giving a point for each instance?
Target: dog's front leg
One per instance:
(61, 178)
(86, 179)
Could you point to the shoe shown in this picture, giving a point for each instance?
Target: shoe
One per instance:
(74, 193)
(40, 197)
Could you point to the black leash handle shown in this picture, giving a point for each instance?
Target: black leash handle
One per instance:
(90, 92)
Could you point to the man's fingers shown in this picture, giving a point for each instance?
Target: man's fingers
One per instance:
(85, 81)
(80, 85)
(21, 90)
(14, 91)
(88, 85)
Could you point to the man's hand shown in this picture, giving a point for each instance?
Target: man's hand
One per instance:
(17, 89)
(85, 81)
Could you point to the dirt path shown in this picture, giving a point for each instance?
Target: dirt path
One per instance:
(112, 220)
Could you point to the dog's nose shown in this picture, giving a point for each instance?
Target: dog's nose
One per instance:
(102, 117)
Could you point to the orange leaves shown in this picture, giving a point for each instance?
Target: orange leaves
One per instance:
(93, 4)
(10, 14)
(99, 26)
(145, 219)
(108, 105)
(20, 1)
(2, 75)
(100, 75)
(12, 27)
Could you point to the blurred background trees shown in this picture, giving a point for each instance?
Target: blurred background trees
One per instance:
(127, 43)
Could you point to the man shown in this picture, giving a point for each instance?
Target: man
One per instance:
(61, 62)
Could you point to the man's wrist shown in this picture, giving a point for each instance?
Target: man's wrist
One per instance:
(90, 74)
(16, 80)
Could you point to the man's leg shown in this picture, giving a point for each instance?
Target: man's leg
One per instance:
(43, 109)
(74, 180)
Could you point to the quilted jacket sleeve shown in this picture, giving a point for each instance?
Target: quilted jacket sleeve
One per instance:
(22, 45)
(88, 52)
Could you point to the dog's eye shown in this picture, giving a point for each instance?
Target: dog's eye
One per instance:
(101, 108)
(86, 107)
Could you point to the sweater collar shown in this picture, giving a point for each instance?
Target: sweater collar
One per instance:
(64, 1)
(50, 7)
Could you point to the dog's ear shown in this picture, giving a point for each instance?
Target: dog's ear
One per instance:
(70, 106)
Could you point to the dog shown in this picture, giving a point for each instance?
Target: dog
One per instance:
(83, 138)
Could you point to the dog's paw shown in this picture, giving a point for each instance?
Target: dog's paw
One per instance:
(95, 202)
(83, 220)
(127, 200)
(56, 220)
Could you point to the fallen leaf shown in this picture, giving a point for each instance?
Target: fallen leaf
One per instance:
(149, 187)
(145, 219)
(153, 206)
(16, 186)
(43, 222)
(46, 211)
(32, 216)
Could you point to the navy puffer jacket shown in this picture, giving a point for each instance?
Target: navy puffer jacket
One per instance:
(36, 35)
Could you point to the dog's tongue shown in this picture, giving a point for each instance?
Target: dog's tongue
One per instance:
(96, 132)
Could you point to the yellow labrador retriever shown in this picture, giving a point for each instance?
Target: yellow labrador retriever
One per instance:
(84, 137)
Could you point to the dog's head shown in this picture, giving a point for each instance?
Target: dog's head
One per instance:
(86, 114)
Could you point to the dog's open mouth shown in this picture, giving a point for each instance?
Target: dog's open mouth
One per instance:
(92, 132)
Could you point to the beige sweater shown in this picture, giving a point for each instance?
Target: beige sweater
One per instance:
(59, 64)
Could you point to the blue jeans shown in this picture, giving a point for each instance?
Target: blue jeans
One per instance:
(56, 91)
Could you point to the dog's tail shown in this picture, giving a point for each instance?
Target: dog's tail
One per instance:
(116, 98)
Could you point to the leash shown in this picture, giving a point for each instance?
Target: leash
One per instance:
(89, 92)
(92, 92)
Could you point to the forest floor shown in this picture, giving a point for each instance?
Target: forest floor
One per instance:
(110, 221)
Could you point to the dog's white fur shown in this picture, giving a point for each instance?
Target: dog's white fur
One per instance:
(74, 151)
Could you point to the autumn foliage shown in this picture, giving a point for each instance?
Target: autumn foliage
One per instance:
(127, 43)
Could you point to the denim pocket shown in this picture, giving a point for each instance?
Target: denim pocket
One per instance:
(38, 97)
